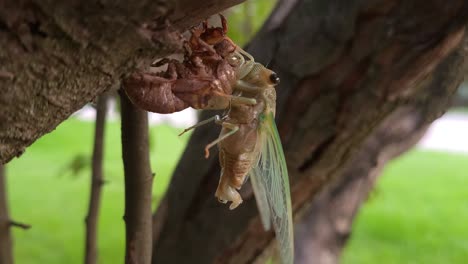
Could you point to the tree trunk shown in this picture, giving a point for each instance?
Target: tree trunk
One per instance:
(346, 67)
(326, 225)
(138, 183)
(56, 56)
(6, 223)
(97, 180)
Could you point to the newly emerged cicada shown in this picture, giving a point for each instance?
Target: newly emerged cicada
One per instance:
(249, 146)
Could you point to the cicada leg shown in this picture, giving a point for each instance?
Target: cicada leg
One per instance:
(244, 66)
(173, 67)
(234, 128)
(223, 23)
(237, 100)
(244, 86)
(161, 62)
(245, 53)
(208, 48)
(215, 119)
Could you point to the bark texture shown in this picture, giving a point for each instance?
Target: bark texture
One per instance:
(97, 180)
(56, 56)
(326, 226)
(6, 241)
(346, 68)
(138, 183)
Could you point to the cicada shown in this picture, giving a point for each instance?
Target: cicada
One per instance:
(250, 147)
(217, 74)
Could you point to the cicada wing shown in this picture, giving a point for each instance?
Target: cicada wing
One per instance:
(261, 197)
(271, 182)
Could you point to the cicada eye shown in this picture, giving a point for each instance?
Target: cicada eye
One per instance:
(274, 78)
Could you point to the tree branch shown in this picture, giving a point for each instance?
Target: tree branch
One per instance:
(19, 225)
(97, 180)
(59, 55)
(6, 243)
(138, 183)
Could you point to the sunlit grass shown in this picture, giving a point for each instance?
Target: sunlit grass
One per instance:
(46, 194)
(417, 214)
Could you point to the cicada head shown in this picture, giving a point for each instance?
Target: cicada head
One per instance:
(261, 76)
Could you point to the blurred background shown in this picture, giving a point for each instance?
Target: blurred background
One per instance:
(418, 212)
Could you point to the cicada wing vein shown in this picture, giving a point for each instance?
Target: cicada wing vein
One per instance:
(271, 186)
(261, 197)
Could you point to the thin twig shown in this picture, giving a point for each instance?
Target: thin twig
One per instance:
(91, 251)
(19, 225)
(6, 246)
(138, 183)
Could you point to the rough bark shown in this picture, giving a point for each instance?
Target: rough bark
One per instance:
(6, 242)
(138, 183)
(346, 67)
(97, 180)
(56, 56)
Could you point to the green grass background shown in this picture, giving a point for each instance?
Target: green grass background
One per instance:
(45, 193)
(418, 212)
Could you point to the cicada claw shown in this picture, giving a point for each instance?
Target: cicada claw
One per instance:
(222, 201)
(226, 193)
(234, 205)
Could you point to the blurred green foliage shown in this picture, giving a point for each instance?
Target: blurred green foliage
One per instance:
(245, 20)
